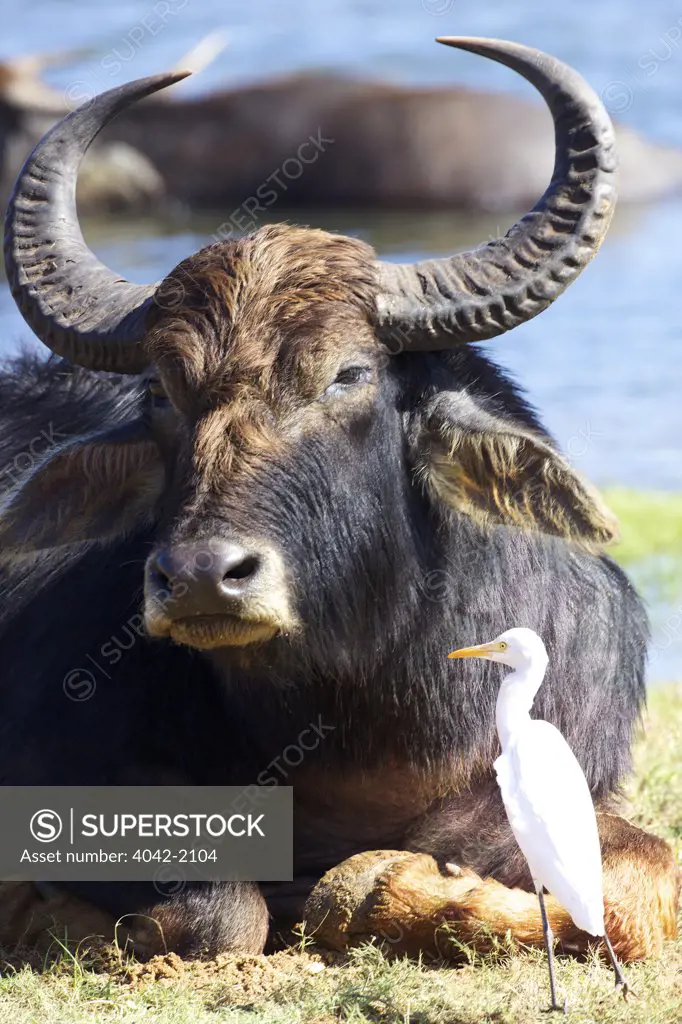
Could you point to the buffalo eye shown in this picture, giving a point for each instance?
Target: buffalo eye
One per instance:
(157, 394)
(348, 377)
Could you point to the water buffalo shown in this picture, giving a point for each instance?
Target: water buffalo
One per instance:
(380, 145)
(292, 461)
(319, 139)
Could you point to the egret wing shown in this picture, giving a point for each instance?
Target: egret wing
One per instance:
(551, 813)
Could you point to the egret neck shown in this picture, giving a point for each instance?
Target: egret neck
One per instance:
(516, 697)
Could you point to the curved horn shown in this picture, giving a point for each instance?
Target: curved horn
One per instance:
(479, 294)
(74, 303)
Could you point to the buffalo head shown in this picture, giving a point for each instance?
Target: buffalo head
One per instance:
(295, 435)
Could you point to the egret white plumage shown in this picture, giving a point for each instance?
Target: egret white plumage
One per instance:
(545, 794)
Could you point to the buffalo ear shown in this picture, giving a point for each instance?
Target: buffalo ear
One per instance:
(498, 472)
(94, 488)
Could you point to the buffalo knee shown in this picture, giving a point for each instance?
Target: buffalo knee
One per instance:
(203, 921)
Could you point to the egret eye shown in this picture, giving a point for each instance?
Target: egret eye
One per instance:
(503, 645)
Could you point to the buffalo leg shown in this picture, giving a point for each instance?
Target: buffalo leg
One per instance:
(200, 919)
(414, 902)
(205, 920)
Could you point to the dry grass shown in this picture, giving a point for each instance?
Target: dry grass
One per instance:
(304, 986)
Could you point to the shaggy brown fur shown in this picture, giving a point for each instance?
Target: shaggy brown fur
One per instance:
(246, 333)
(516, 478)
(264, 315)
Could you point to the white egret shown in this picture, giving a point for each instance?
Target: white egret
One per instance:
(546, 795)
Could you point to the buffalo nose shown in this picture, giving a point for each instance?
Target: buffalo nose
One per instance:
(204, 579)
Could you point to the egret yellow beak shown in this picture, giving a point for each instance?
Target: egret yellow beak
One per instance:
(480, 651)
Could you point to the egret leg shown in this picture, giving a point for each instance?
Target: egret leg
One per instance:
(621, 983)
(549, 946)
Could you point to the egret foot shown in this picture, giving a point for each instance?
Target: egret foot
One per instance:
(621, 983)
(557, 1009)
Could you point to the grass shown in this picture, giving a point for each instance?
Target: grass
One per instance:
(651, 540)
(651, 524)
(306, 986)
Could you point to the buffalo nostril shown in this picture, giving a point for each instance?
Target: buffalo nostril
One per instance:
(243, 569)
(199, 578)
(162, 567)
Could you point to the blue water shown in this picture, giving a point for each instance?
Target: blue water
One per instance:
(604, 364)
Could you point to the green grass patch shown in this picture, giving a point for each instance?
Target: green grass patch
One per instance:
(650, 547)
(651, 524)
(308, 986)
